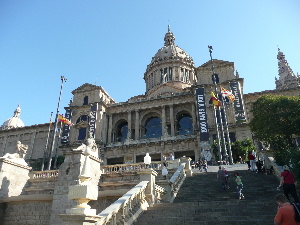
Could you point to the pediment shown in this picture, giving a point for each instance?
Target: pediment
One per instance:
(86, 87)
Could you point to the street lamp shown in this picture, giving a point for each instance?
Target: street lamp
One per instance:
(164, 172)
(147, 160)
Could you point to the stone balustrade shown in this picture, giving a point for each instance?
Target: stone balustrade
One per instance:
(134, 167)
(127, 208)
(43, 174)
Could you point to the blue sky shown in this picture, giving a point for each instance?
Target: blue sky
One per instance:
(110, 43)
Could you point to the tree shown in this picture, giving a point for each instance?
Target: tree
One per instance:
(241, 148)
(277, 121)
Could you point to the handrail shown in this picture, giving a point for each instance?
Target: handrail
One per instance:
(126, 208)
(43, 174)
(176, 181)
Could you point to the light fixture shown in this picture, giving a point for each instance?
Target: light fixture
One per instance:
(147, 160)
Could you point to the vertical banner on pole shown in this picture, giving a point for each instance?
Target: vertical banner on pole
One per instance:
(93, 119)
(238, 102)
(202, 115)
(66, 128)
(203, 125)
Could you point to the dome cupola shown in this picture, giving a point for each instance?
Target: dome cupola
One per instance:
(13, 122)
(170, 66)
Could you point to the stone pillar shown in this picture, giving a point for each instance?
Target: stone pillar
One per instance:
(195, 125)
(187, 168)
(13, 176)
(172, 120)
(149, 175)
(69, 172)
(137, 125)
(163, 122)
(129, 126)
(109, 128)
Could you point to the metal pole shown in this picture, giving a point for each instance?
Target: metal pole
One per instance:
(46, 146)
(63, 79)
(227, 135)
(57, 145)
(218, 108)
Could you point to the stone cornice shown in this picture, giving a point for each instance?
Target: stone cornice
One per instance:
(34, 197)
(271, 91)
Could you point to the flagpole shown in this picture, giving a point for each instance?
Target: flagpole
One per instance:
(227, 134)
(218, 110)
(57, 145)
(46, 146)
(63, 79)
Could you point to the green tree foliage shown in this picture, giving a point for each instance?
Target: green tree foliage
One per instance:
(277, 122)
(241, 148)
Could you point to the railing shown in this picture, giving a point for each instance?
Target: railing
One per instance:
(133, 167)
(127, 208)
(177, 180)
(44, 174)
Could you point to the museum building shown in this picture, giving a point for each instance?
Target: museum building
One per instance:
(164, 121)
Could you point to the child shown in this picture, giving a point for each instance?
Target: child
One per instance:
(239, 183)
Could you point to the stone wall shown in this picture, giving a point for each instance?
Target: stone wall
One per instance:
(25, 212)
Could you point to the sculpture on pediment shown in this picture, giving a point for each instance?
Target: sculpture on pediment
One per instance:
(89, 145)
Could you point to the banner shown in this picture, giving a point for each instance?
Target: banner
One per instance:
(238, 102)
(66, 128)
(202, 114)
(93, 119)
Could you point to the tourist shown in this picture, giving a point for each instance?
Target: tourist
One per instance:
(205, 165)
(226, 178)
(248, 161)
(285, 213)
(287, 182)
(221, 178)
(238, 180)
(251, 157)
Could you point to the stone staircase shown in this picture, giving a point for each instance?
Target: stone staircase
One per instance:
(201, 201)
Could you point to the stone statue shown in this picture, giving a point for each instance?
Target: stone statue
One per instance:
(89, 145)
(19, 156)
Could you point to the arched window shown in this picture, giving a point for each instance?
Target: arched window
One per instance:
(82, 118)
(83, 127)
(86, 100)
(153, 128)
(185, 124)
(122, 131)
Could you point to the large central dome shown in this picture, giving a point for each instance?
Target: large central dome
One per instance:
(171, 66)
(170, 50)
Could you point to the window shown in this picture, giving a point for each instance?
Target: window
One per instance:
(153, 128)
(82, 118)
(185, 124)
(122, 132)
(86, 100)
(82, 134)
(170, 73)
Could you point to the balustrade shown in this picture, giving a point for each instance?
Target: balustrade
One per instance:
(44, 174)
(133, 167)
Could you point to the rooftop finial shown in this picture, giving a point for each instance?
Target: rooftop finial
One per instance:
(169, 28)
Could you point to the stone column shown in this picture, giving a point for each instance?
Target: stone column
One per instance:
(195, 125)
(109, 128)
(163, 122)
(137, 125)
(172, 120)
(149, 175)
(129, 126)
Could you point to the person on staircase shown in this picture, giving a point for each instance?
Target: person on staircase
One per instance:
(238, 180)
(287, 182)
(222, 178)
(285, 213)
(251, 157)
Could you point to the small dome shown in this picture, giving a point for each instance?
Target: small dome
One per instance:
(14, 122)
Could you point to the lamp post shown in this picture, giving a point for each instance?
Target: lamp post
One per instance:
(147, 160)
(164, 172)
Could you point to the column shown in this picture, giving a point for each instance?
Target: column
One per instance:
(109, 128)
(195, 125)
(163, 122)
(129, 126)
(137, 125)
(172, 120)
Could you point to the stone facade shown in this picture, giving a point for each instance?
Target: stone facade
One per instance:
(163, 121)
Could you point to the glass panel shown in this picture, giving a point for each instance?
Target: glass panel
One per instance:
(185, 125)
(86, 100)
(82, 134)
(153, 128)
